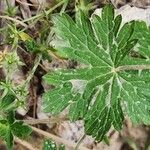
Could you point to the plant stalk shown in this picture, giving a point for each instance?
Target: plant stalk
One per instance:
(132, 67)
(25, 144)
(14, 20)
(31, 74)
(46, 12)
(79, 142)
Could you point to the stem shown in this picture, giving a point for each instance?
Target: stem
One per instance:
(132, 67)
(43, 14)
(34, 17)
(80, 141)
(64, 6)
(39, 121)
(29, 77)
(69, 144)
(8, 5)
(31, 74)
(31, 121)
(14, 20)
(25, 144)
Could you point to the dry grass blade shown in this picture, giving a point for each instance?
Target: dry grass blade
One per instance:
(26, 13)
(25, 3)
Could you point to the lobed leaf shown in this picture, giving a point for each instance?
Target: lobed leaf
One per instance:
(114, 76)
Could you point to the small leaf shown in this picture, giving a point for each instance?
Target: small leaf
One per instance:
(31, 45)
(106, 140)
(11, 117)
(49, 145)
(21, 130)
(6, 102)
(24, 36)
(5, 133)
(4, 128)
(61, 147)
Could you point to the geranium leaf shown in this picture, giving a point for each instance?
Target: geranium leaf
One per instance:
(112, 78)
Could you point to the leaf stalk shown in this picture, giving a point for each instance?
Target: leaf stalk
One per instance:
(132, 67)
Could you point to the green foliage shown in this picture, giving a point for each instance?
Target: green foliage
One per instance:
(113, 82)
(11, 98)
(6, 102)
(10, 128)
(37, 48)
(50, 145)
(19, 129)
(15, 41)
(11, 11)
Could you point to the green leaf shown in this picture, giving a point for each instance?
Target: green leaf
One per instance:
(112, 78)
(36, 47)
(125, 34)
(136, 95)
(10, 128)
(9, 140)
(50, 145)
(4, 128)
(20, 129)
(5, 133)
(106, 140)
(142, 32)
(61, 147)
(117, 23)
(11, 117)
(61, 96)
(6, 102)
